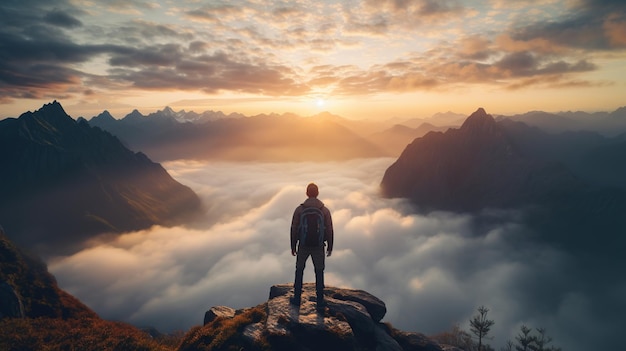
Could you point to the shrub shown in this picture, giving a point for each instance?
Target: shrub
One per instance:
(224, 333)
(73, 334)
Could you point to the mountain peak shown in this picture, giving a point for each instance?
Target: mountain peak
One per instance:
(105, 115)
(52, 107)
(479, 120)
(51, 114)
(134, 116)
(58, 170)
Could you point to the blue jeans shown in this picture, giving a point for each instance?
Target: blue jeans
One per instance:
(317, 255)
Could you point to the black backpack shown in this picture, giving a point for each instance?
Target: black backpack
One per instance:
(311, 227)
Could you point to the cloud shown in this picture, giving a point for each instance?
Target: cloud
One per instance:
(258, 48)
(432, 270)
(592, 26)
(62, 19)
(139, 53)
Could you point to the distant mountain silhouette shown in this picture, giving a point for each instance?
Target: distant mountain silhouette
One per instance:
(271, 137)
(608, 124)
(396, 138)
(489, 164)
(589, 155)
(470, 168)
(439, 119)
(64, 181)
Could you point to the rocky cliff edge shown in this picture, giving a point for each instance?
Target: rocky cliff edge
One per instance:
(351, 321)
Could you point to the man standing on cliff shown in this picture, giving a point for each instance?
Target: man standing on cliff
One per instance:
(311, 226)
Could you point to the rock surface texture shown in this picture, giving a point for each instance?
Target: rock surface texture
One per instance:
(351, 320)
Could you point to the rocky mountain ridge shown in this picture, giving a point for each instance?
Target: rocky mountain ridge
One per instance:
(488, 165)
(272, 137)
(609, 124)
(64, 181)
(470, 168)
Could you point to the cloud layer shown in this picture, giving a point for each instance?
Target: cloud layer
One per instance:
(80, 49)
(431, 270)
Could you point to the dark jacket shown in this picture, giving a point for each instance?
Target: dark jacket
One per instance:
(328, 222)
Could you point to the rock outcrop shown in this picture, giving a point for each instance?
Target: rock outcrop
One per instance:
(351, 320)
(218, 311)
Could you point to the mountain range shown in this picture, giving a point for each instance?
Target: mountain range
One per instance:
(472, 167)
(167, 135)
(609, 124)
(263, 138)
(569, 185)
(64, 181)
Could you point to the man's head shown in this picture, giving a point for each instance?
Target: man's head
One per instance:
(312, 190)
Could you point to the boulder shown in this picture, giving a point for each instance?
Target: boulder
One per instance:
(218, 311)
(374, 306)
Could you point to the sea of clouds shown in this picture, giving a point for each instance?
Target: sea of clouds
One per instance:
(432, 270)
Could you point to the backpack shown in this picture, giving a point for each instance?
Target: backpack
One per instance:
(311, 228)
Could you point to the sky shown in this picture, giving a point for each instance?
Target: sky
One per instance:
(359, 59)
(432, 270)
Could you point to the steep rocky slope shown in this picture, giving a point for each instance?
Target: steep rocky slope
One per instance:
(36, 315)
(63, 181)
(473, 167)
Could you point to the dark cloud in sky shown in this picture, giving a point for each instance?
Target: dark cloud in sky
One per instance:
(592, 27)
(432, 270)
(62, 19)
(30, 44)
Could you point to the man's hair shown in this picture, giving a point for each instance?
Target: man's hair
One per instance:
(312, 190)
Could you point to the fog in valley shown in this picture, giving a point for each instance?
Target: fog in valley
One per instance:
(431, 270)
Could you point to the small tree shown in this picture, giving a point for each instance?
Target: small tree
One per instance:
(454, 337)
(524, 339)
(480, 325)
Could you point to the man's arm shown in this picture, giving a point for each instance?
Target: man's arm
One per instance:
(295, 222)
(330, 233)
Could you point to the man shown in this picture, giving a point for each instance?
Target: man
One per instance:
(311, 226)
